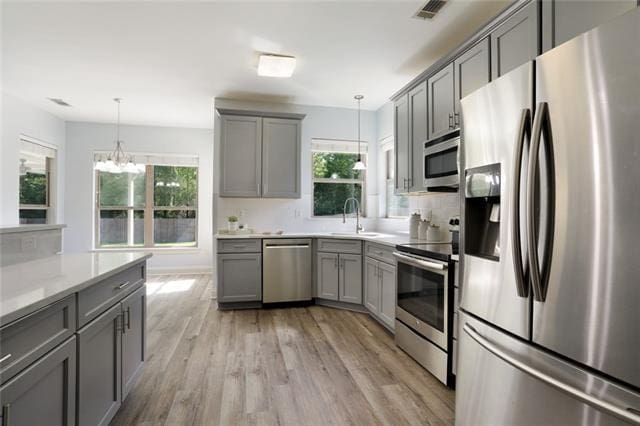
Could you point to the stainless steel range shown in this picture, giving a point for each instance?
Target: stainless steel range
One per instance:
(424, 310)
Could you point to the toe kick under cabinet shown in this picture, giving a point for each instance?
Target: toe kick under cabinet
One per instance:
(74, 361)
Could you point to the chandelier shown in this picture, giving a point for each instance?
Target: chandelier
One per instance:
(117, 161)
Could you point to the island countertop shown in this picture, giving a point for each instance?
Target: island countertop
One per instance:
(29, 286)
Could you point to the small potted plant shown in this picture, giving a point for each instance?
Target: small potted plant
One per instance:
(233, 223)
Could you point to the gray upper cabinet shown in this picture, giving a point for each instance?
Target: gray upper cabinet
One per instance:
(402, 145)
(240, 277)
(133, 338)
(100, 368)
(564, 20)
(45, 392)
(351, 278)
(472, 71)
(328, 279)
(281, 158)
(371, 286)
(417, 135)
(515, 41)
(240, 156)
(441, 102)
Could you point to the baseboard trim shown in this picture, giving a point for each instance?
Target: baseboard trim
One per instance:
(166, 270)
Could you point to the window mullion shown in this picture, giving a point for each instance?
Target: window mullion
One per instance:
(148, 206)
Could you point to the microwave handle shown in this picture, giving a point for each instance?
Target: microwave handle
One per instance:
(433, 266)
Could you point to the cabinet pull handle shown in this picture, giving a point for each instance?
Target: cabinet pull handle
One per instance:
(123, 285)
(128, 312)
(456, 121)
(4, 358)
(6, 409)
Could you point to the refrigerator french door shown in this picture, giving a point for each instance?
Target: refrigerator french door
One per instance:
(551, 284)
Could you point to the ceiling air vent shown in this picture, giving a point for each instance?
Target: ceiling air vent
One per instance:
(429, 9)
(59, 102)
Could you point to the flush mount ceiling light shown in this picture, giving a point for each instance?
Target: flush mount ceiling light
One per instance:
(276, 65)
(117, 161)
(359, 164)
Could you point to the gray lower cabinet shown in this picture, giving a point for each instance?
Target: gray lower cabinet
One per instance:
(339, 277)
(515, 42)
(100, 368)
(417, 136)
(134, 308)
(441, 102)
(402, 144)
(328, 276)
(380, 291)
(472, 71)
(563, 20)
(45, 392)
(240, 156)
(281, 157)
(239, 277)
(351, 278)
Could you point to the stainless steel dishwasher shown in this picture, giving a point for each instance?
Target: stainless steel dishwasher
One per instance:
(286, 270)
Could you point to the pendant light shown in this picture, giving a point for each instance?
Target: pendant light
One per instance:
(359, 164)
(118, 161)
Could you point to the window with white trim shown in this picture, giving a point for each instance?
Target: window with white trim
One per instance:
(396, 206)
(333, 177)
(157, 207)
(36, 163)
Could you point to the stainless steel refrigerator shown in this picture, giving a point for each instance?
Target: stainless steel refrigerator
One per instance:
(550, 297)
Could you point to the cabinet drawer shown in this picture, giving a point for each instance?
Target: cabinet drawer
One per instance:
(339, 246)
(101, 296)
(239, 246)
(27, 339)
(380, 252)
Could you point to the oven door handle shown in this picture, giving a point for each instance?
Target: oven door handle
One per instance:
(433, 266)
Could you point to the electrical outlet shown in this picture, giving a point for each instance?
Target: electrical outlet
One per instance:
(28, 243)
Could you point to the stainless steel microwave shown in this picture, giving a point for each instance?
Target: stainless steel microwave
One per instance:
(441, 164)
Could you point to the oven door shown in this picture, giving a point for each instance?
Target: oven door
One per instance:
(422, 296)
(441, 163)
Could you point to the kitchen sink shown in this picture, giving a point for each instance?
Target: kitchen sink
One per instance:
(354, 234)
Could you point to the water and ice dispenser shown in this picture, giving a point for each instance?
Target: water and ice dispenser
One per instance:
(482, 212)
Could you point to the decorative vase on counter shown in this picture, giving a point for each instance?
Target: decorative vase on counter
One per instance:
(414, 224)
(433, 233)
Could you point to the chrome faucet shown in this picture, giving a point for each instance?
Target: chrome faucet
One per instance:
(359, 228)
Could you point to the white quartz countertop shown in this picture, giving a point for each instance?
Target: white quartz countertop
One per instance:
(380, 238)
(26, 287)
(8, 229)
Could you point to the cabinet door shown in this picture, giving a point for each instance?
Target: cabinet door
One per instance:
(45, 392)
(371, 286)
(441, 100)
(401, 144)
(134, 308)
(472, 71)
(388, 294)
(241, 156)
(351, 278)
(328, 282)
(100, 368)
(418, 135)
(564, 20)
(281, 158)
(515, 42)
(240, 277)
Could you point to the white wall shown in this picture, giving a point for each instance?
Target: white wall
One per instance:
(295, 215)
(85, 138)
(20, 118)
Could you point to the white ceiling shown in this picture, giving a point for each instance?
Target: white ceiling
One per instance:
(167, 60)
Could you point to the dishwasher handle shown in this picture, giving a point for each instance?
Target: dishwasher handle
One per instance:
(301, 245)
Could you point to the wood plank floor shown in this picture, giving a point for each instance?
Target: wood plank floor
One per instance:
(302, 366)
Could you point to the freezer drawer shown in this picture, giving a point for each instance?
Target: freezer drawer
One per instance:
(521, 385)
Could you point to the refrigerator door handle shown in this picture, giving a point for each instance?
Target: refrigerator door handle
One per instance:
(627, 413)
(524, 133)
(541, 124)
